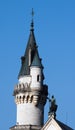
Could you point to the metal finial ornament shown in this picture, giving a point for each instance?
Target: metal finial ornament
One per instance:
(32, 23)
(32, 13)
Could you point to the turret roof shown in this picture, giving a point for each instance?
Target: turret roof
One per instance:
(35, 59)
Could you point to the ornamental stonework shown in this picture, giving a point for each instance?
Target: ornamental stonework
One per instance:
(24, 94)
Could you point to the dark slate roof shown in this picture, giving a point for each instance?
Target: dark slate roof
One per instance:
(25, 68)
(64, 126)
(36, 61)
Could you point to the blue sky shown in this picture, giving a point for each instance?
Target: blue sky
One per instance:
(54, 24)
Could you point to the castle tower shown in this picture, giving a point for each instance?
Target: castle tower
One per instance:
(30, 93)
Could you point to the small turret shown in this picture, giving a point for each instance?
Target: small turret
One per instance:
(36, 72)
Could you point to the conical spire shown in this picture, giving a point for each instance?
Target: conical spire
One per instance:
(30, 52)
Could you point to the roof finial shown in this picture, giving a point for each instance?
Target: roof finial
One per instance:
(32, 13)
(32, 23)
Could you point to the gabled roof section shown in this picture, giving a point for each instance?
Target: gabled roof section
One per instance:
(55, 125)
(51, 124)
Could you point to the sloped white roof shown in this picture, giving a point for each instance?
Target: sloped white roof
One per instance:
(53, 124)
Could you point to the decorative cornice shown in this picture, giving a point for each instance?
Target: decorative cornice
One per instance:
(29, 98)
(24, 94)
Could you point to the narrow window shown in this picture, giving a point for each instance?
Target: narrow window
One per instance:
(38, 78)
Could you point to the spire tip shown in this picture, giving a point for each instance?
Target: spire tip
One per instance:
(32, 23)
(32, 13)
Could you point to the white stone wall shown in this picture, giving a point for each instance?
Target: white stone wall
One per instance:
(25, 79)
(27, 114)
(30, 113)
(34, 72)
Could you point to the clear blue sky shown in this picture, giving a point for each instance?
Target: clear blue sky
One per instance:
(55, 35)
